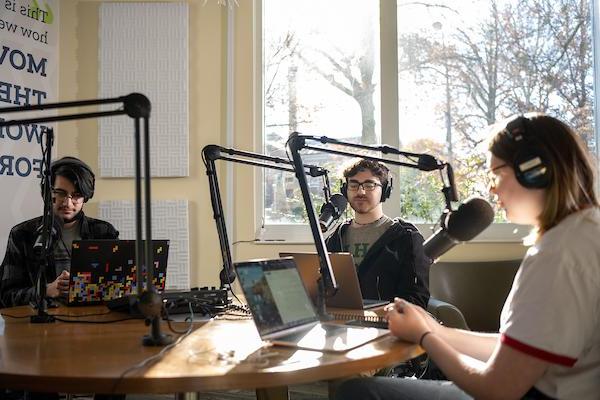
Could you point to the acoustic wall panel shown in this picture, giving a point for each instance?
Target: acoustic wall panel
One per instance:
(169, 221)
(144, 48)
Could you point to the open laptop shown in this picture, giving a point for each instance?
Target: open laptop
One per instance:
(284, 314)
(103, 270)
(349, 295)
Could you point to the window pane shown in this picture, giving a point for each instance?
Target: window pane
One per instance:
(320, 77)
(464, 65)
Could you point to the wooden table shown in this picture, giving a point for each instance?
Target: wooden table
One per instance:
(217, 355)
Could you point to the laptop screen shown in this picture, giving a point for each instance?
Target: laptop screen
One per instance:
(275, 294)
(103, 270)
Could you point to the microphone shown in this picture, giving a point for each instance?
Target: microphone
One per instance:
(332, 210)
(461, 225)
(42, 241)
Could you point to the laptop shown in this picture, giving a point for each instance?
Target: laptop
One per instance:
(103, 270)
(349, 295)
(284, 314)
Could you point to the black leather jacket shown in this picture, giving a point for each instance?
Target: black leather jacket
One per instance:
(19, 269)
(394, 266)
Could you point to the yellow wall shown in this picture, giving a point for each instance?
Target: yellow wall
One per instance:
(207, 117)
(79, 80)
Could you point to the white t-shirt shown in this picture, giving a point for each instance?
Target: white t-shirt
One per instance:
(553, 309)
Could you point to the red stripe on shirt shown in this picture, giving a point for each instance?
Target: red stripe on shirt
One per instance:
(538, 353)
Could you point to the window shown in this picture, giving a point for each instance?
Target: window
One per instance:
(321, 76)
(461, 66)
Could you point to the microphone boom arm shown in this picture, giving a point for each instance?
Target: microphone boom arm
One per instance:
(136, 106)
(214, 152)
(297, 142)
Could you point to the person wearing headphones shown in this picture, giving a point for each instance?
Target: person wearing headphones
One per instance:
(548, 345)
(388, 252)
(72, 183)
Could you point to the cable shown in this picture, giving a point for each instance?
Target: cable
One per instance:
(190, 318)
(244, 310)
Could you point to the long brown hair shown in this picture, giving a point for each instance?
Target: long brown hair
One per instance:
(572, 174)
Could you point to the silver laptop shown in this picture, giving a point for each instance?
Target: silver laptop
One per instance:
(349, 295)
(284, 314)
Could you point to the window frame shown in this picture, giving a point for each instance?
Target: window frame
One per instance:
(390, 121)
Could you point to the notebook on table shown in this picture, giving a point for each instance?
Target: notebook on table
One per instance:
(103, 270)
(284, 314)
(348, 295)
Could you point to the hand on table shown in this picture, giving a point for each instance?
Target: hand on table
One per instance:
(409, 322)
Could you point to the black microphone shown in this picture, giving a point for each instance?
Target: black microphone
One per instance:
(42, 241)
(461, 225)
(332, 210)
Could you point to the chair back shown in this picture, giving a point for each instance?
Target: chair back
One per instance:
(477, 288)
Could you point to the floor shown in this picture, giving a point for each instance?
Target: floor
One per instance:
(312, 391)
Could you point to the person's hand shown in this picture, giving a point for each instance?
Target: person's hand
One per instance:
(60, 286)
(407, 321)
(434, 324)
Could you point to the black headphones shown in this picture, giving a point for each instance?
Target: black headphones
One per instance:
(386, 189)
(530, 162)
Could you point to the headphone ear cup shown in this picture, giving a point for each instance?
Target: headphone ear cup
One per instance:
(344, 189)
(386, 191)
(531, 169)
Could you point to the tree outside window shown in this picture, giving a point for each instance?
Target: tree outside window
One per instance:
(462, 66)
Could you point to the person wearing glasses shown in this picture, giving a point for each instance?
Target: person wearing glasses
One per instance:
(72, 185)
(548, 345)
(388, 252)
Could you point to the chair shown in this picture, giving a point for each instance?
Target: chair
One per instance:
(470, 295)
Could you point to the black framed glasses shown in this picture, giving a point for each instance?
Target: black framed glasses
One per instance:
(61, 195)
(367, 186)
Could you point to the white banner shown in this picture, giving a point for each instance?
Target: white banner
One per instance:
(29, 33)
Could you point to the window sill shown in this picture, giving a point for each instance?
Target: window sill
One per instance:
(300, 234)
